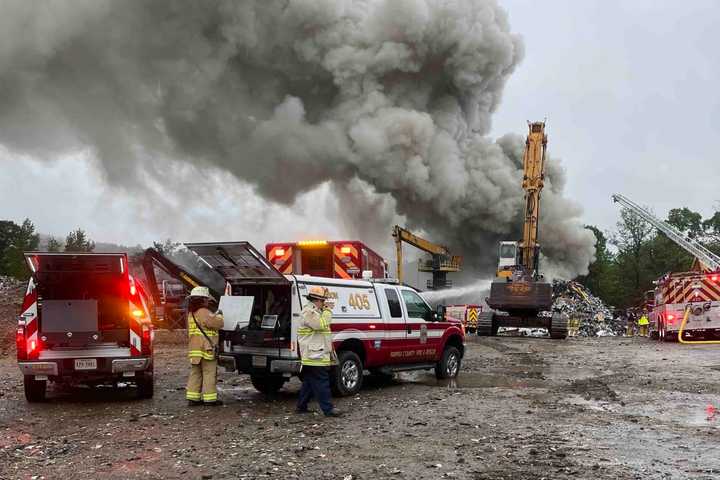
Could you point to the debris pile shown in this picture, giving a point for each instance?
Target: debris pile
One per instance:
(592, 317)
(11, 295)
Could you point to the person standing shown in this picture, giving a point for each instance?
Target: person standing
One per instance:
(643, 324)
(203, 326)
(316, 352)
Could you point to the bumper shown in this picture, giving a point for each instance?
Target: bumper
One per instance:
(258, 364)
(39, 368)
(106, 367)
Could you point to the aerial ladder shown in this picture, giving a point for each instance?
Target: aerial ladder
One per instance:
(519, 292)
(704, 261)
(707, 260)
(441, 261)
(168, 296)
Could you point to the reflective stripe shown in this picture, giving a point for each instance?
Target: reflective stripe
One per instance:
(316, 363)
(196, 331)
(192, 395)
(209, 397)
(325, 320)
(305, 331)
(201, 354)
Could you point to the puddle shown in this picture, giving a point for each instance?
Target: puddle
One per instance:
(471, 380)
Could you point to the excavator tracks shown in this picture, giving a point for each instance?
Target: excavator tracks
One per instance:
(558, 326)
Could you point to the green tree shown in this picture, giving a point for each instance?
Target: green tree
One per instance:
(53, 245)
(78, 241)
(17, 240)
(687, 221)
(630, 240)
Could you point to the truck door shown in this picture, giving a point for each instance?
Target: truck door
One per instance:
(422, 340)
(395, 325)
(267, 323)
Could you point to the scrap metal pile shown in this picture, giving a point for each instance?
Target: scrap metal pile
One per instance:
(11, 291)
(592, 317)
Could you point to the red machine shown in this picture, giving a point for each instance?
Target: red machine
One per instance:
(697, 291)
(321, 258)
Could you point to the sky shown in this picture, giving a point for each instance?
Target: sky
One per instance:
(629, 90)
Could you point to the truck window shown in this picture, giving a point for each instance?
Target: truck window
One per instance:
(416, 307)
(393, 303)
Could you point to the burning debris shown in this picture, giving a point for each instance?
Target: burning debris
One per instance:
(587, 313)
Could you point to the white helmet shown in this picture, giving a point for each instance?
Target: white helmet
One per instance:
(201, 292)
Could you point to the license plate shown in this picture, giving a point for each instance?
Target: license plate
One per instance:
(86, 364)
(259, 361)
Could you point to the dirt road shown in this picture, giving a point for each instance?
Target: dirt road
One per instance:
(523, 408)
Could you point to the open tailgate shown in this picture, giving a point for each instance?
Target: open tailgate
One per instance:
(238, 262)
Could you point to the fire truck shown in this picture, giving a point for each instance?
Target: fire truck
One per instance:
(378, 325)
(698, 292)
(465, 314)
(84, 320)
(321, 258)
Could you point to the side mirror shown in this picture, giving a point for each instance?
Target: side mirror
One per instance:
(440, 313)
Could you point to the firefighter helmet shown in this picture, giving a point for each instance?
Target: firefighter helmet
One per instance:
(201, 292)
(317, 293)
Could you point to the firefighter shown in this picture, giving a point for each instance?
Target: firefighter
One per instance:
(643, 324)
(316, 352)
(203, 326)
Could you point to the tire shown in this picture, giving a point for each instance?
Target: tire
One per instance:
(347, 376)
(449, 364)
(558, 326)
(34, 389)
(146, 385)
(269, 384)
(485, 327)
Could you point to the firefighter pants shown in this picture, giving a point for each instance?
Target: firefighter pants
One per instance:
(643, 331)
(201, 384)
(316, 382)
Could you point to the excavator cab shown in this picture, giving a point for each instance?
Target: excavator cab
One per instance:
(507, 259)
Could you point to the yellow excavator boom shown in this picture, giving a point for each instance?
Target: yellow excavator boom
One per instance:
(533, 182)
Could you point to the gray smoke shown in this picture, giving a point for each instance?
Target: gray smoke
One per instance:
(388, 100)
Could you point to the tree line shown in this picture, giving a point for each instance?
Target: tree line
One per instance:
(16, 239)
(629, 259)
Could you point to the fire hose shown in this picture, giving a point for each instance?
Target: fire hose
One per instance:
(696, 342)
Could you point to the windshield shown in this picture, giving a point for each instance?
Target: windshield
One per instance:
(507, 250)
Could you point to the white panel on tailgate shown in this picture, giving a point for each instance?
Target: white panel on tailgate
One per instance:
(236, 311)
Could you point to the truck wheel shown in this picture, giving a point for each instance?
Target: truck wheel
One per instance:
(485, 325)
(449, 364)
(145, 385)
(348, 374)
(34, 389)
(559, 326)
(268, 384)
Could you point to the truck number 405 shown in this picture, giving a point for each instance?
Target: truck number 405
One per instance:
(359, 301)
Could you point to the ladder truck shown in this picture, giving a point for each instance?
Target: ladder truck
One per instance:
(692, 297)
(519, 292)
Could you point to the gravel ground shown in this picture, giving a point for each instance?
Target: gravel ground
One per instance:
(522, 408)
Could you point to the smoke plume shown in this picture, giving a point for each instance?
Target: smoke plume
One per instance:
(389, 101)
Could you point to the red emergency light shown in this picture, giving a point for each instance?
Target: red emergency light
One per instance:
(279, 252)
(345, 250)
(714, 278)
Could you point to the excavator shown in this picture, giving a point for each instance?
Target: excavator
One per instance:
(439, 264)
(520, 296)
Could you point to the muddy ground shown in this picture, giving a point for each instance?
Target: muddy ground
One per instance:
(522, 408)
